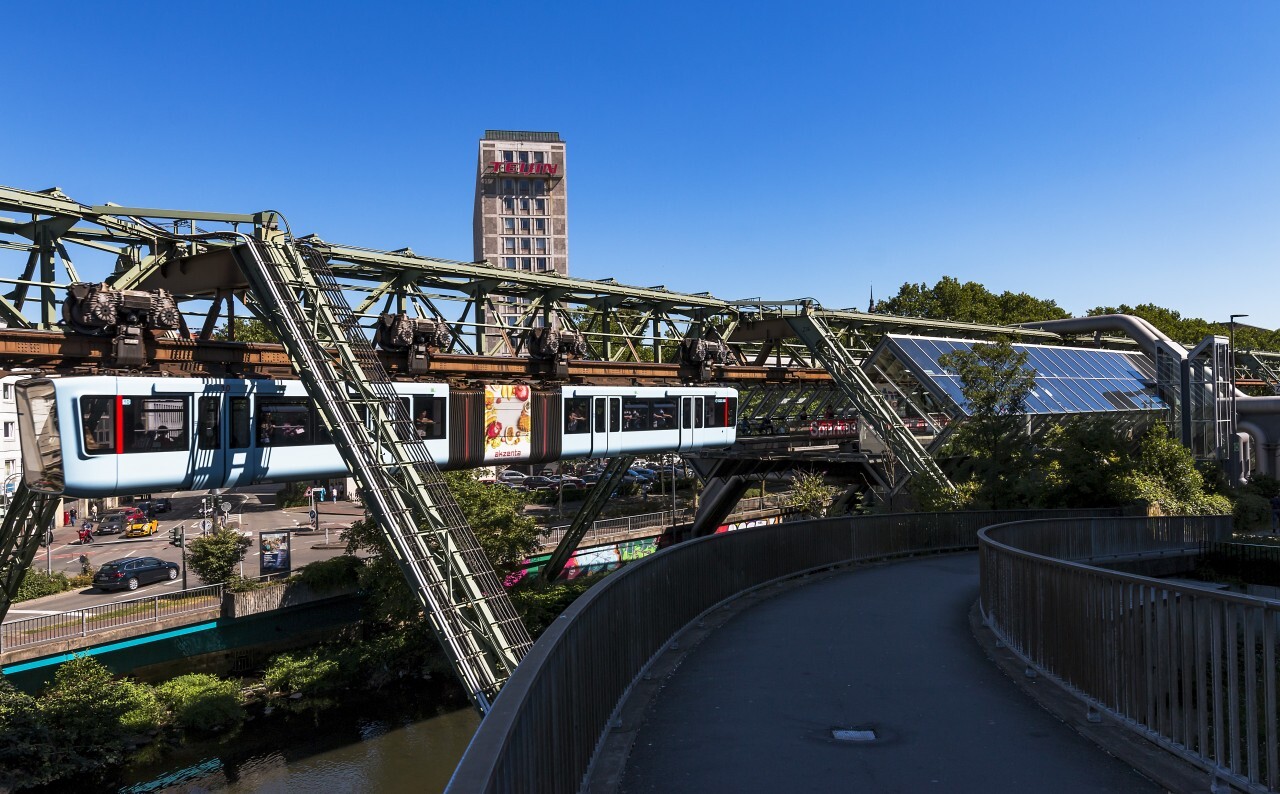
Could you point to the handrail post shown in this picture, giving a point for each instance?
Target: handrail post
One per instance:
(84, 623)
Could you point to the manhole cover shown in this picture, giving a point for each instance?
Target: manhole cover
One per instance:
(857, 735)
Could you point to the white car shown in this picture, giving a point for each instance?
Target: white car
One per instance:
(511, 477)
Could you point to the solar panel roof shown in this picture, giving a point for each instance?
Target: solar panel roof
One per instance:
(1069, 380)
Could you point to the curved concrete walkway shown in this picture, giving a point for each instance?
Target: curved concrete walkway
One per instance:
(752, 707)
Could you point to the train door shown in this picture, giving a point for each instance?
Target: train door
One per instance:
(239, 436)
(606, 426)
(208, 463)
(691, 415)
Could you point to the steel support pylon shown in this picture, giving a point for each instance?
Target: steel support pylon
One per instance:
(400, 484)
(595, 502)
(859, 388)
(26, 522)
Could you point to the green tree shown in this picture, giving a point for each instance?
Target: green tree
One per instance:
(968, 302)
(246, 330)
(1083, 461)
(1166, 478)
(811, 494)
(995, 382)
(215, 556)
(495, 515)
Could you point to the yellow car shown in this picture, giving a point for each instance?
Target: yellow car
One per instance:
(140, 529)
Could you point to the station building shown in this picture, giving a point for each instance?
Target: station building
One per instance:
(521, 217)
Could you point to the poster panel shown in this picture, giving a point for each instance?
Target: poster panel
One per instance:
(507, 422)
(274, 548)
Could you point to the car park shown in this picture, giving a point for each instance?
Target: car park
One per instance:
(130, 572)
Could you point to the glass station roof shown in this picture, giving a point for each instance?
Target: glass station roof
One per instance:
(1069, 380)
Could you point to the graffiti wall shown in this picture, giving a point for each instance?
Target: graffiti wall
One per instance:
(593, 559)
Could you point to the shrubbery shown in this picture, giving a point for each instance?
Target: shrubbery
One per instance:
(1252, 513)
(38, 583)
(335, 573)
(317, 672)
(202, 702)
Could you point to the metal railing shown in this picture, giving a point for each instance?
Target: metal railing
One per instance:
(545, 726)
(1192, 669)
(105, 617)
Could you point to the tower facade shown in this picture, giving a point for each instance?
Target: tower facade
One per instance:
(521, 213)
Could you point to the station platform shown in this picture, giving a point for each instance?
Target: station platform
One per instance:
(886, 651)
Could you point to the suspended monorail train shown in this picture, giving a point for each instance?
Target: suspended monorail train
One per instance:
(105, 435)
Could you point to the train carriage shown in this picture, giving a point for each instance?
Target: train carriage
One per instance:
(104, 435)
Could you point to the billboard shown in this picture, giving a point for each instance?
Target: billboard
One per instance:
(274, 552)
(507, 422)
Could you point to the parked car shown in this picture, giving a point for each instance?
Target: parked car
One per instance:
(129, 572)
(162, 505)
(140, 529)
(591, 478)
(568, 481)
(539, 483)
(512, 476)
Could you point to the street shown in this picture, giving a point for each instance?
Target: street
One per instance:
(253, 510)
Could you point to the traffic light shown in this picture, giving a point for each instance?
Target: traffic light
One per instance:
(175, 536)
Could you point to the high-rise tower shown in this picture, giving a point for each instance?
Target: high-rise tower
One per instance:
(521, 214)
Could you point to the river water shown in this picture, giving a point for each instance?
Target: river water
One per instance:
(332, 751)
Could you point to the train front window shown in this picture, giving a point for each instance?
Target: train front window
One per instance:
(155, 424)
(38, 433)
(722, 411)
(98, 425)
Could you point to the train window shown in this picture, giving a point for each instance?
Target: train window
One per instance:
(428, 416)
(208, 427)
(98, 424)
(575, 415)
(721, 411)
(664, 415)
(686, 413)
(615, 414)
(635, 414)
(155, 424)
(240, 424)
(601, 408)
(283, 422)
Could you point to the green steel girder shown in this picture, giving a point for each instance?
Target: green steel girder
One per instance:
(26, 520)
(597, 498)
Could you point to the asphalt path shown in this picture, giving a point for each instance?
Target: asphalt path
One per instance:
(253, 510)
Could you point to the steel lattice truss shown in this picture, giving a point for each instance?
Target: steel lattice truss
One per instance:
(619, 322)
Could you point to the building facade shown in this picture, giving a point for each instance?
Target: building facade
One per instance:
(521, 217)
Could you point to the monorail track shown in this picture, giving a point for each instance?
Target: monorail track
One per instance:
(69, 353)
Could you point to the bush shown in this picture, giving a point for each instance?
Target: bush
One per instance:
(332, 574)
(31, 753)
(1251, 513)
(202, 702)
(316, 673)
(38, 583)
(83, 705)
(146, 713)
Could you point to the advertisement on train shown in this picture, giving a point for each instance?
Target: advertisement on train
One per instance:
(507, 421)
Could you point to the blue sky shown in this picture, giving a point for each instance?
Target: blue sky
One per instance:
(1093, 153)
